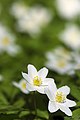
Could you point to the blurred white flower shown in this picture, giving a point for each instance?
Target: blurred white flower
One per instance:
(59, 62)
(58, 99)
(62, 53)
(21, 85)
(28, 25)
(75, 56)
(77, 64)
(1, 78)
(59, 65)
(34, 20)
(68, 9)
(18, 10)
(37, 81)
(71, 36)
(76, 60)
(7, 41)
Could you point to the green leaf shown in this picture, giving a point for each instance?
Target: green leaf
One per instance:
(75, 91)
(76, 114)
(42, 114)
(9, 110)
(23, 113)
(8, 117)
(3, 99)
(78, 104)
(19, 103)
(68, 118)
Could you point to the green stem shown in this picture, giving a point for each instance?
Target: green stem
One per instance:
(35, 104)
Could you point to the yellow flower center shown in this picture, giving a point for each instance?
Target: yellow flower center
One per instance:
(37, 81)
(5, 41)
(60, 97)
(24, 85)
(61, 64)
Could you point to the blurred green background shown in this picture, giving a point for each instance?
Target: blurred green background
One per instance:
(15, 105)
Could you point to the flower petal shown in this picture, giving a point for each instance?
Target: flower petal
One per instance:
(52, 106)
(40, 89)
(30, 87)
(22, 81)
(32, 72)
(26, 77)
(43, 72)
(66, 110)
(47, 80)
(65, 90)
(49, 94)
(70, 103)
(25, 91)
(16, 84)
(52, 87)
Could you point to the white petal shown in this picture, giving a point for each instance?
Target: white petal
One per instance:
(43, 72)
(13, 49)
(26, 77)
(30, 87)
(32, 72)
(70, 103)
(47, 80)
(25, 91)
(66, 110)
(65, 90)
(40, 89)
(22, 81)
(49, 93)
(16, 84)
(52, 87)
(52, 106)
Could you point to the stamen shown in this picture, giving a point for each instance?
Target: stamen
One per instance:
(61, 64)
(60, 97)
(24, 85)
(37, 81)
(5, 41)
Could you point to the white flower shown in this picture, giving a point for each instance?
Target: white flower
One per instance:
(59, 63)
(19, 10)
(37, 81)
(75, 55)
(77, 64)
(28, 25)
(34, 20)
(21, 85)
(71, 36)
(58, 99)
(68, 9)
(76, 60)
(7, 41)
(41, 15)
(61, 52)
